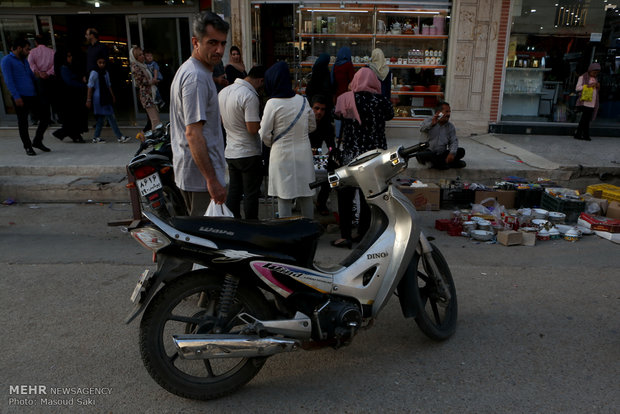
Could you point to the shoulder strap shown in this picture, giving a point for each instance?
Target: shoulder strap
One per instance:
(281, 134)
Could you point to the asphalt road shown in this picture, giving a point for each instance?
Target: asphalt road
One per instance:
(538, 330)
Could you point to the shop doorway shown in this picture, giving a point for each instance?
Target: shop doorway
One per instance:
(168, 37)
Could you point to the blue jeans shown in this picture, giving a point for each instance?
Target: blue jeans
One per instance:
(111, 120)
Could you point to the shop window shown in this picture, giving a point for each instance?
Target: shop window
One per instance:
(551, 45)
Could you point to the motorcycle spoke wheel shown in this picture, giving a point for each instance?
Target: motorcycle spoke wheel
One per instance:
(188, 306)
(436, 316)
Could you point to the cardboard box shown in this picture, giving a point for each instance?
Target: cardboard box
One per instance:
(504, 197)
(510, 237)
(529, 238)
(613, 210)
(599, 223)
(423, 198)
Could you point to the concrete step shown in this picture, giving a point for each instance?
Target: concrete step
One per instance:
(64, 188)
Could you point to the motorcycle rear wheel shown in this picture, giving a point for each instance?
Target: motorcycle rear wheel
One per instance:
(189, 305)
(436, 318)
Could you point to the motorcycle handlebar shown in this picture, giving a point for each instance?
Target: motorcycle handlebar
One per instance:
(410, 151)
(405, 153)
(317, 183)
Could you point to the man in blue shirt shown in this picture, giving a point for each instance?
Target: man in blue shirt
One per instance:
(19, 80)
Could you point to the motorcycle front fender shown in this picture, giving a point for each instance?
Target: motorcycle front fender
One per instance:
(168, 268)
(407, 291)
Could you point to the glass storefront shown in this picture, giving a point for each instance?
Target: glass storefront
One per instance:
(412, 35)
(551, 44)
(167, 35)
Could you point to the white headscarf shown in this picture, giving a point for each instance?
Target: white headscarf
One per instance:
(145, 69)
(377, 64)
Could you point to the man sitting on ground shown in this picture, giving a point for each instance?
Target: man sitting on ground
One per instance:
(439, 132)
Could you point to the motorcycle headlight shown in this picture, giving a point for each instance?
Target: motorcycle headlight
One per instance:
(150, 238)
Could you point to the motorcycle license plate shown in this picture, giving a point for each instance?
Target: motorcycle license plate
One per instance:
(136, 292)
(149, 184)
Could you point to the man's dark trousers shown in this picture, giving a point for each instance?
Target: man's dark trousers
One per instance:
(246, 176)
(31, 103)
(439, 160)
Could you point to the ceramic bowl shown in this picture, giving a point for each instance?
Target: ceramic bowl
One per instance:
(563, 228)
(484, 225)
(481, 235)
(539, 222)
(543, 235)
(539, 213)
(469, 226)
(556, 217)
(572, 235)
(554, 233)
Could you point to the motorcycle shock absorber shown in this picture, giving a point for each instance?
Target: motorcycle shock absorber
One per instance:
(227, 296)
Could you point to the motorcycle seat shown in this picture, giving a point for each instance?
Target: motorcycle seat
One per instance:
(294, 237)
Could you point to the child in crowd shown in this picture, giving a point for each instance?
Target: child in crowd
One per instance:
(100, 98)
(154, 68)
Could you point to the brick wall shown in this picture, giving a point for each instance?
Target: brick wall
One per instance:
(499, 60)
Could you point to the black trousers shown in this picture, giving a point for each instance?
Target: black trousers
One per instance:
(321, 200)
(31, 104)
(345, 211)
(439, 160)
(246, 176)
(583, 130)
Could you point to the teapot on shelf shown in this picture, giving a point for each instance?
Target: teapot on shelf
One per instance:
(396, 28)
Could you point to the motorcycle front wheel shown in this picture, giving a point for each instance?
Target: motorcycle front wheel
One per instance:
(436, 316)
(189, 305)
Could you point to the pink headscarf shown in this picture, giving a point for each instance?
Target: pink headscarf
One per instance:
(364, 80)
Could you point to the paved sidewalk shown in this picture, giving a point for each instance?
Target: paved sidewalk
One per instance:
(82, 172)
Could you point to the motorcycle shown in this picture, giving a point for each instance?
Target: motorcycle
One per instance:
(205, 333)
(152, 175)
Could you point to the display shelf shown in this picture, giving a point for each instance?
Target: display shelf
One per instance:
(336, 35)
(408, 66)
(413, 35)
(416, 93)
(392, 66)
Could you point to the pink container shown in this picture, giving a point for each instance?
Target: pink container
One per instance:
(440, 23)
(426, 30)
(433, 31)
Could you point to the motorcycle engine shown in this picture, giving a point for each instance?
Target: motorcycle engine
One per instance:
(339, 321)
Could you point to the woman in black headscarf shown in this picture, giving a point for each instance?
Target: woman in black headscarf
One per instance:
(287, 120)
(320, 81)
(73, 114)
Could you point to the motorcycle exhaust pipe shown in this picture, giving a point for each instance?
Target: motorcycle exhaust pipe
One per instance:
(230, 346)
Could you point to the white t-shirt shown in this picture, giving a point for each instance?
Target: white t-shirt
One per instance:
(239, 104)
(193, 98)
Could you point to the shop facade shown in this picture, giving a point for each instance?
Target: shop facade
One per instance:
(493, 55)
(165, 30)
(505, 66)
(549, 45)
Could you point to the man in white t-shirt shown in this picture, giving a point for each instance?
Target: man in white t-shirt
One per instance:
(240, 107)
(195, 128)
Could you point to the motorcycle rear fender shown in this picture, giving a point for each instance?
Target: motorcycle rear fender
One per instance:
(408, 291)
(168, 268)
